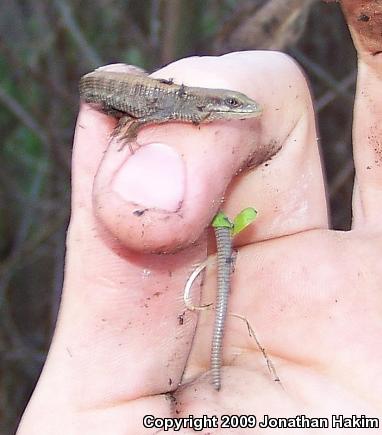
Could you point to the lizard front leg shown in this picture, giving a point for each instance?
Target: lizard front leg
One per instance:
(128, 128)
(198, 118)
(126, 131)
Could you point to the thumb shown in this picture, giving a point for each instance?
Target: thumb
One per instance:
(123, 332)
(162, 197)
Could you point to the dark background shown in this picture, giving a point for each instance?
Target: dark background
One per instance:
(45, 46)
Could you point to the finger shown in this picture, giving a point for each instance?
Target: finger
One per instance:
(288, 190)
(365, 20)
(311, 318)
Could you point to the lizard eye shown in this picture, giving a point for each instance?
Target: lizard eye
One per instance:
(232, 102)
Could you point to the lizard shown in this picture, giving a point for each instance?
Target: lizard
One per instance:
(136, 100)
(224, 231)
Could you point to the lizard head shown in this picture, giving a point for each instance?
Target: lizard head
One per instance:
(222, 103)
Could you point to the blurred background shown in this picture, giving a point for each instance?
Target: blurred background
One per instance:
(45, 46)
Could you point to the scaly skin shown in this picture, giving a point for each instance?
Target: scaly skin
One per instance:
(137, 100)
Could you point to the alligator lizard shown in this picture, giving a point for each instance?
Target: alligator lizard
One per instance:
(137, 100)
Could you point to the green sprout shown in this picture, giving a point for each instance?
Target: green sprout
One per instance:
(240, 222)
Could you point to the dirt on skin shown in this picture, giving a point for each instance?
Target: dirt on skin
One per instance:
(365, 20)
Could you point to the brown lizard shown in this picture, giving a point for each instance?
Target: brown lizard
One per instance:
(137, 99)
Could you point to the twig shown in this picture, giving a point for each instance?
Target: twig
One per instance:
(275, 25)
(22, 232)
(320, 73)
(190, 306)
(154, 24)
(26, 119)
(172, 13)
(15, 107)
(21, 257)
(75, 32)
(331, 94)
(252, 334)
(32, 72)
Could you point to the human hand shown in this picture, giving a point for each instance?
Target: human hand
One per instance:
(123, 344)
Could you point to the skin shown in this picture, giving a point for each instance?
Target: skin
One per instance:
(312, 295)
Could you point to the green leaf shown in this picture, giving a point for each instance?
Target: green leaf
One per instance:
(243, 219)
(221, 220)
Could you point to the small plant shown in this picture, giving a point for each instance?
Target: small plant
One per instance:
(240, 222)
